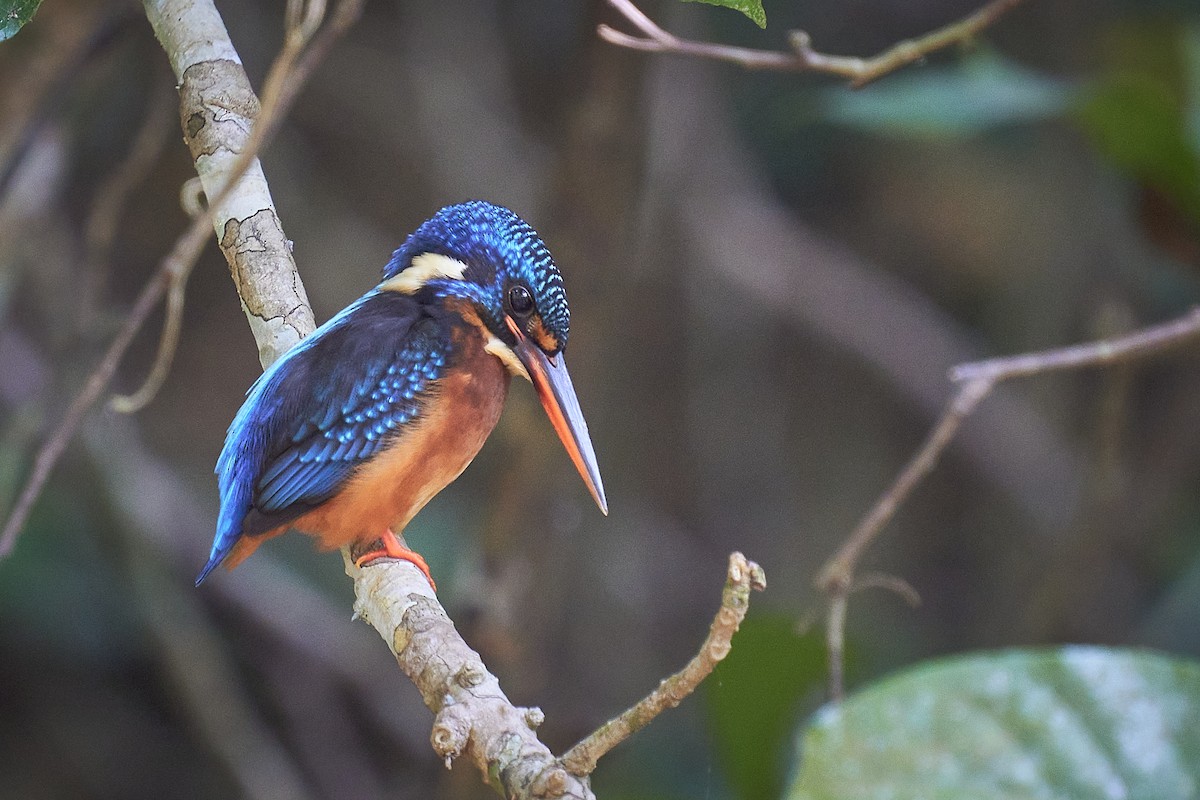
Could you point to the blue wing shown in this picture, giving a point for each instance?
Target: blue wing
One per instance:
(328, 405)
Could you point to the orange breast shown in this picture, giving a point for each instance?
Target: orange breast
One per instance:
(388, 491)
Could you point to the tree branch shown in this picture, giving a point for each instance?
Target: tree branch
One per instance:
(743, 575)
(218, 111)
(224, 129)
(976, 379)
(802, 58)
(225, 150)
(472, 714)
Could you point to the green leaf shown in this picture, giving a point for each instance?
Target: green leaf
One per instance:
(751, 8)
(1145, 116)
(14, 14)
(980, 93)
(752, 699)
(1190, 50)
(1077, 722)
(1140, 127)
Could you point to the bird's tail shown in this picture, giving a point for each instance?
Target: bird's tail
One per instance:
(220, 549)
(223, 544)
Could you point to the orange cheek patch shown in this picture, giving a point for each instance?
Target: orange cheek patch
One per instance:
(546, 340)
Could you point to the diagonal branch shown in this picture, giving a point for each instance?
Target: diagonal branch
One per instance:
(393, 596)
(802, 57)
(743, 576)
(472, 715)
(976, 381)
(235, 182)
(218, 112)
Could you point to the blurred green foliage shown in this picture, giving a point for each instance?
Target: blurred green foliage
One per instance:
(85, 620)
(981, 92)
(753, 699)
(1144, 115)
(14, 14)
(1075, 722)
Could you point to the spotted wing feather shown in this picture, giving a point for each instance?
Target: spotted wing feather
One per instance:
(327, 406)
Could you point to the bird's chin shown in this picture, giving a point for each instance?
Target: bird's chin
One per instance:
(507, 357)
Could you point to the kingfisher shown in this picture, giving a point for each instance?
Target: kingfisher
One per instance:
(349, 434)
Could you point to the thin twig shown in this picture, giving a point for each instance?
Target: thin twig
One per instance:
(976, 379)
(50, 452)
(113, 195)
(1145, 341)
(835, 640)
(287, 76)
(743, 575)
(168, 343)
(279, 89)
(892, 583)
(802, 57)
(838, 574)
(173, 269)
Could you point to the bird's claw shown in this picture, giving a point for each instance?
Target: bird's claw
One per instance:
(392, 548)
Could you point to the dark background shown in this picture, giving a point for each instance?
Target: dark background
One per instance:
(769, 276)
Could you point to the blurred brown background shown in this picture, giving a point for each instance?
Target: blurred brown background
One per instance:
(769, 277)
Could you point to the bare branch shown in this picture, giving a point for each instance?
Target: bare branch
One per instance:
(977, 379)
(288, 74)
(743, 575)
(225, 127)
(53, 449)
(892, 583)
(230, 180)
(802, 57)
(1144, 342)
(837, 576)
(473, 716)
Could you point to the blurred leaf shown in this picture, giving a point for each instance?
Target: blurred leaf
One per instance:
(1140, 126)
(1191, 68)
(752, 698)
(983, 92)
(751, 8)
(14, 14)
(59, 592)
(1070, 723)
(1145, 116)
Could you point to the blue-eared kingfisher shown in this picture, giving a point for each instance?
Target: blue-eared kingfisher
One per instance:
(350, 433)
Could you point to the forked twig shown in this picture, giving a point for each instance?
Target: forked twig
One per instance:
(802, 57)
(743, 576)
(976, 380)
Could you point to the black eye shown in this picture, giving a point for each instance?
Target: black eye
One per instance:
(520, 301)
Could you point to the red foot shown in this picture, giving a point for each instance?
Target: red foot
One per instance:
(393, 549)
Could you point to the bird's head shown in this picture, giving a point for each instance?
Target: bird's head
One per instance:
(489, 258)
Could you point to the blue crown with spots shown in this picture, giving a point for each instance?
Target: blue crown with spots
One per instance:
(498, 248)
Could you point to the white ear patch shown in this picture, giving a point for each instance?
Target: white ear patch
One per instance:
(424, 268)
(507, 357)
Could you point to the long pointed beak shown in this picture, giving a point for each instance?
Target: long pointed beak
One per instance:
(553, 385)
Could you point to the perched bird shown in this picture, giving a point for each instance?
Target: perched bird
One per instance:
(356, 428)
